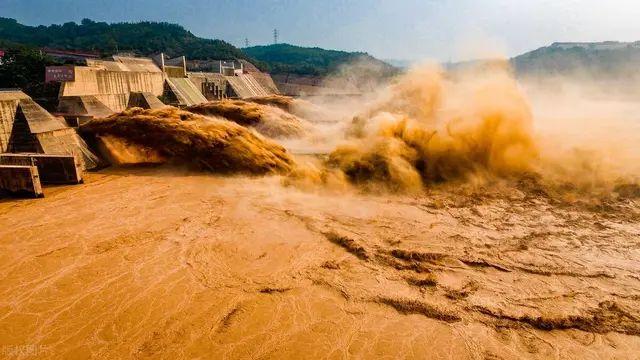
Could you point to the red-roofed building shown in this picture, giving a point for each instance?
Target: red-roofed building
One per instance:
(70, 55)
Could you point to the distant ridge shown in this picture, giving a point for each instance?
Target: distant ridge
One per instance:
(314, 61)
(611, 60)
(604, 45)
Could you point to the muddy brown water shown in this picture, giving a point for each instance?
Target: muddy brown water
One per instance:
(163, 264)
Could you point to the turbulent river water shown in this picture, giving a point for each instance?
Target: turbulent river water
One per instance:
(450, 216)
(151, 263)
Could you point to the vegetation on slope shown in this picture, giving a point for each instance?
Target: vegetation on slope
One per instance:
(618, 61)
(23, 67)
(285, 58)
(143, 38)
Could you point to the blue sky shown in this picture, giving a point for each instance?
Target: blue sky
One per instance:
(389, 29)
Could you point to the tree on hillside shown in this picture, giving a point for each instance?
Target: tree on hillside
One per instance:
(23, 67)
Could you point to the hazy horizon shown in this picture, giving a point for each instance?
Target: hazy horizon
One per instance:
(403, 30)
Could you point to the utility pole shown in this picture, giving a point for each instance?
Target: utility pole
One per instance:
(275, 36)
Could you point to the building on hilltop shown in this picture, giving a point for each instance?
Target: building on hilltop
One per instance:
(70, 56)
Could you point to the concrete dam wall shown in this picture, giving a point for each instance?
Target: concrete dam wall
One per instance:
(9, 101)
(112, 88)
(26, 127)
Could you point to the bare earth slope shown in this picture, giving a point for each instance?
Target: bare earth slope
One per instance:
(152, 264)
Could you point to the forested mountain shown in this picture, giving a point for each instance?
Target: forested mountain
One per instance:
(143, 38)
(606, 60)
(286, 58)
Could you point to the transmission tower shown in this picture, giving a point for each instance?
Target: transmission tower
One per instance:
(246, 42)
(275, 36)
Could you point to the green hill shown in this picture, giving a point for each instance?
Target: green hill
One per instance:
(285, 58)
(143, 38)
(609, 60)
